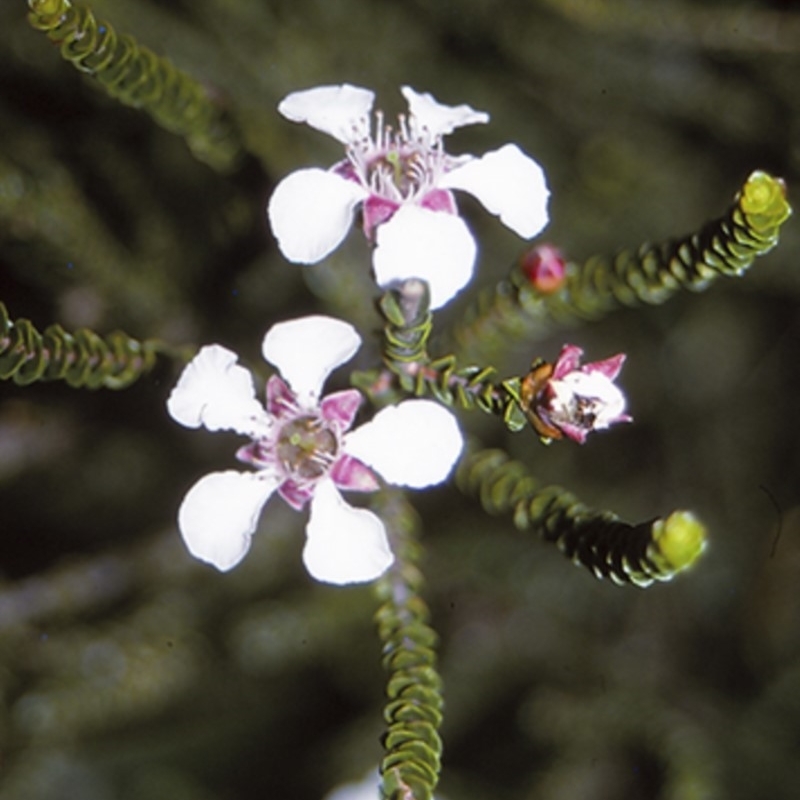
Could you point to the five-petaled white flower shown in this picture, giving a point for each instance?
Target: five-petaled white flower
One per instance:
(302, 447)
(403, 180)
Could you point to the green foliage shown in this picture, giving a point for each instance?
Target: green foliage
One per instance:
(409, 323)
(118, 647)
(598, 540)
(137, 77)
(409, 326)
(651, 274)
(82, 359)
(413, 713)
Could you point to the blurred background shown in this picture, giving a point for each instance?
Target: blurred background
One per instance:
(129, 671)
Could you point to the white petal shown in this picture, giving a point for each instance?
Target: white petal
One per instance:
(509, 184)
(214, 391)
(219, 515)
(305, 350)
(368, 789)
(606, 398)
(434, 246)
(339, 111)
(311, 211)
(345, 544)
(427, 114)
(415, 443)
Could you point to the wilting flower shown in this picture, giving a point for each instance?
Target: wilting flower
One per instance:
(302, 447)
(567, 399)
(402, 179)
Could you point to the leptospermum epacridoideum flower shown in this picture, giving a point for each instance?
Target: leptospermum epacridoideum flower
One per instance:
(302, 448)
(570, 399)
(403, 180)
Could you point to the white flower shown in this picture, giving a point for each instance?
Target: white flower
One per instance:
(402, 180)
(570, 399)
(367, 789)
(302, 447)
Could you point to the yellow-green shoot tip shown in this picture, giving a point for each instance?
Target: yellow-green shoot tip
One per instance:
(679, 539)
(765, 196)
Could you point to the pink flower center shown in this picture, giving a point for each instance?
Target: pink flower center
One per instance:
(393, 164)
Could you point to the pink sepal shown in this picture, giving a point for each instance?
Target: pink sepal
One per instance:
(280, 398)
(375, 211)
(345, 169)
(256, 455)
(440, 200)
(295, 495)
(341, 407)
(573, 432)
(568, 361)
(352, 475)
(610, 367)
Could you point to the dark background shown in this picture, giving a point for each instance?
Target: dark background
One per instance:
(129, 671)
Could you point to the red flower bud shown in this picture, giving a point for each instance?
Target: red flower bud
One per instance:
(544, 267)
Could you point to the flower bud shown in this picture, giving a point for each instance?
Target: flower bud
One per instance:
(544, 268)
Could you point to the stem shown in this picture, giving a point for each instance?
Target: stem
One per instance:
(413, 712)
(640, 554)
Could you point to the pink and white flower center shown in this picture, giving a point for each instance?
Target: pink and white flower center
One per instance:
(396, 166)
(301, 449)
(393, 164)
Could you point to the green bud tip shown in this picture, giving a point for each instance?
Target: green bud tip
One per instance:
(46, 7)
(765, 195)
(680, 539)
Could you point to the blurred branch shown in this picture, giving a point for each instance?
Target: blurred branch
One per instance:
(137, 77)
(83, 359)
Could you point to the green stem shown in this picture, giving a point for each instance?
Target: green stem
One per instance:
(514, 309)
(82, 359)
(413, 712)
(599, 540)
(409, 367)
